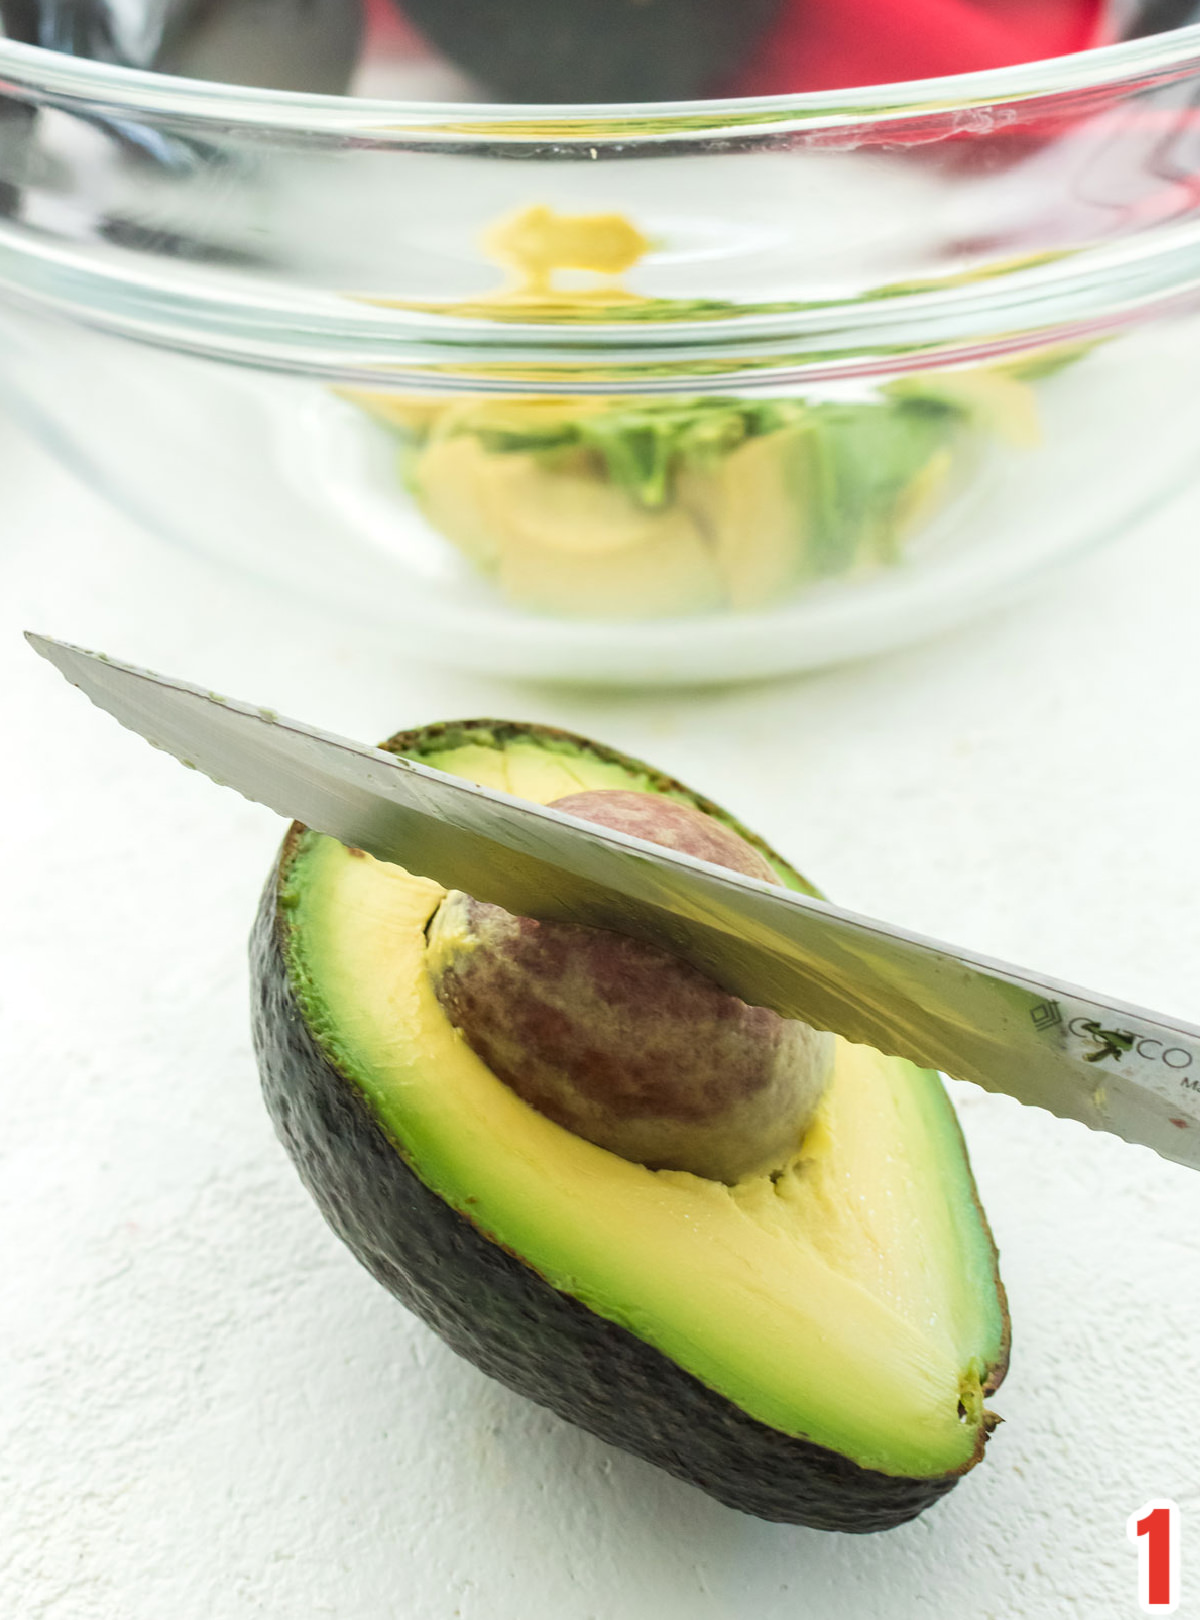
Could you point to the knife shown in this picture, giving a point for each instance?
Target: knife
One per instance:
(1113, 1066)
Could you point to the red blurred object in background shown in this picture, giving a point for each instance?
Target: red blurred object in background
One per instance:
(835, 44)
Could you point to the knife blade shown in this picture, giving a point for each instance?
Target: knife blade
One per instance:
(1113, 1066)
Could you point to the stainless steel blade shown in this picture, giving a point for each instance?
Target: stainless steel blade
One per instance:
(1115, 1067)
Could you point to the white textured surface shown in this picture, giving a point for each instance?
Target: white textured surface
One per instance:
(208, 1412)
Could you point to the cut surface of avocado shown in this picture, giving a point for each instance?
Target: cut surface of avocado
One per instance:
(754, 505)
(615, 507)
(849, 1298)
(562, 540)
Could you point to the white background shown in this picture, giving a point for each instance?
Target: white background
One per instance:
(208, 1412)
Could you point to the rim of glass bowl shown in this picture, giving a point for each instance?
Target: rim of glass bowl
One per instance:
(118, 90)
(1084, 292)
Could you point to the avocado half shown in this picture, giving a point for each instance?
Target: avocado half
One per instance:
(812, 1346)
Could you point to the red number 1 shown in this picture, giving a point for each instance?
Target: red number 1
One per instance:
(1154, 1529)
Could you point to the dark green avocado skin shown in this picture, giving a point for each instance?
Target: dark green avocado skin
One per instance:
(513, 1325)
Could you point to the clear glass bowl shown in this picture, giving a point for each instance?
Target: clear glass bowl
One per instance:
(674, 392)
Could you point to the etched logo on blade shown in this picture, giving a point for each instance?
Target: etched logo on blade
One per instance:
(1046, 1015)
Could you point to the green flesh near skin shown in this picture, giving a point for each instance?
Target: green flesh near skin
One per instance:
(850, 1298)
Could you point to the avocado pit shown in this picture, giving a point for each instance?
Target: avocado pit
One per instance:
(619, 1041)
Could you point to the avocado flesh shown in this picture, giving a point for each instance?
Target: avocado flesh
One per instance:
(850, 1300)
(660, 508)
